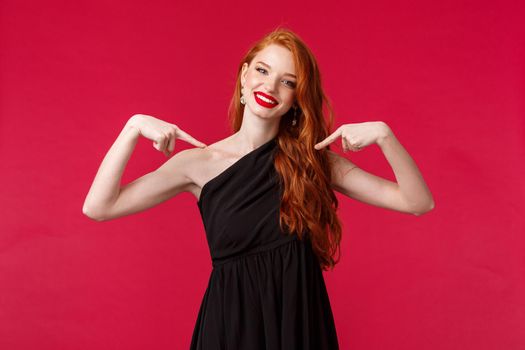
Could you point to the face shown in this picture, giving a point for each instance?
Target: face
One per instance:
(269, 82)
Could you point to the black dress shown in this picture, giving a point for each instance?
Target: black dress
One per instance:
(266, 289)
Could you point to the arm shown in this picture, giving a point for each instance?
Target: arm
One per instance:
(107, 200)
(409, 195)
(106, 186)
(410, 182)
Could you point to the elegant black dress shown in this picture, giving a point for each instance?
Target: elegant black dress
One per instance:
(266, 289)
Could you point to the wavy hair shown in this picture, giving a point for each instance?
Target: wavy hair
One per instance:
(308, 203)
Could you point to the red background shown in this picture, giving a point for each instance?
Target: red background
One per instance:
(447, 77)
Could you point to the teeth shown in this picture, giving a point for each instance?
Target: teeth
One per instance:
(265, 99)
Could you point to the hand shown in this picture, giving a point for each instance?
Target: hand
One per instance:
(356, 136)
(163, 134)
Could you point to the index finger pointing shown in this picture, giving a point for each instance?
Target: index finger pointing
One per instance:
(331, 138)
(190, 139)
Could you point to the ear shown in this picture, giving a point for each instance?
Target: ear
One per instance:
(244, 72)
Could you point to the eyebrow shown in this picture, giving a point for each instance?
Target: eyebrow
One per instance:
(267, 65)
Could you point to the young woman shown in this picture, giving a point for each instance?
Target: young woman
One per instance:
(266, 198)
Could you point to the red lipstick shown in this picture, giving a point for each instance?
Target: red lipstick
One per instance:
(263, 102)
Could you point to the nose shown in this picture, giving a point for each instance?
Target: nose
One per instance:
(271, 85)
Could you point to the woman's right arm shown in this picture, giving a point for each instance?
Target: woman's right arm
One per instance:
(106, 198)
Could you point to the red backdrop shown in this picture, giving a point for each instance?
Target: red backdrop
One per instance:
(448, 78)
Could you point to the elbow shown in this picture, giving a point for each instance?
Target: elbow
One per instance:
(424, 209)
(90, 213)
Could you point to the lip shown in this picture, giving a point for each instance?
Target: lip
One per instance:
(264, 103)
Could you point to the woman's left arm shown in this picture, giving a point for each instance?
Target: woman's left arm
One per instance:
(410, 194)
(409, 179)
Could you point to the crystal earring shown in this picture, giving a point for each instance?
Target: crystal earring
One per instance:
(243, 101)
(294, 121)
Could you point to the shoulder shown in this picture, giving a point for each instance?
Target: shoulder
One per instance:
(216, 151)
(198, 163)
(197, 156)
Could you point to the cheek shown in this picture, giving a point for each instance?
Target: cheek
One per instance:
(252, 78)
(252, 82)
(288, 98)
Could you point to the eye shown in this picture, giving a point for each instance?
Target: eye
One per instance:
(289, 82)
(292, 84)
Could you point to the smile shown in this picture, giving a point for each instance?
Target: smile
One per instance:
(265, 100)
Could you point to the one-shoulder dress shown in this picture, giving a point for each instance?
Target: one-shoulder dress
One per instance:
(266, 288)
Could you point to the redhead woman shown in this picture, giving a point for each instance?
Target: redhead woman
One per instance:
(266, 197)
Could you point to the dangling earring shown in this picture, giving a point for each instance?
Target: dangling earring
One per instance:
(243, 101)
(294, 121)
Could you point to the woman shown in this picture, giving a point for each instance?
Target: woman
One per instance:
(266, 198)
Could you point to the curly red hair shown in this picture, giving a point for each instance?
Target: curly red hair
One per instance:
(308, 203)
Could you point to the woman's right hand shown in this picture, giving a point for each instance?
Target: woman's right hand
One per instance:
(163, 134)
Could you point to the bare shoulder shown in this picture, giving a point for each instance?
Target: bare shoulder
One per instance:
(199, 165)
(186, 165)
(179, 167)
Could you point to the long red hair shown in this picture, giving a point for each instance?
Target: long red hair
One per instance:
(308, 203)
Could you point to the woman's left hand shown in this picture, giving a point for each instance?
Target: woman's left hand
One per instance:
(356, 136)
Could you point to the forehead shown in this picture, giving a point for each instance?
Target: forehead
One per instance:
(278, 57)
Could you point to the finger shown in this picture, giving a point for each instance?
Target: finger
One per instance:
(167, 151)
(331, 138)
(162, 144)
(355, 148)
(171, 143)
(157, 144)
(344, 144)
(165, 144)
(188, 138)
(159, 141)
